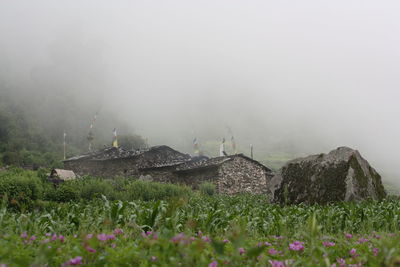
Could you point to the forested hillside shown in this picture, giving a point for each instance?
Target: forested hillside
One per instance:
(32, 129)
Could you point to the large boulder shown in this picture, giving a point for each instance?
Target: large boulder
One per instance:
(341, 175)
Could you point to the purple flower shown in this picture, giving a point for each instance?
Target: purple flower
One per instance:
(348, 236)
(267, 244)
(375, 251)
(328, 244)
(118, 231)
(89, 236)
(61, 238)
(113, 245)
(89, 249)
(54, 237)
(178, 238)
(44, 241)
(341, 261)
(272, 251)
(276, 263)
(150, 234)
(76, 261)
(24, 235)
(353, 252)
(110, 237)
(213, 264)
(102, 237)
(33, 238)
(362, 240)
(47, 234)
(73, 262)
(153, 258)
(225, 241)
(296, 246)
(3, 265)
(205, 238)
(241, 251)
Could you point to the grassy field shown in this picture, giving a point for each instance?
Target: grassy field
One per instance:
(190, 229)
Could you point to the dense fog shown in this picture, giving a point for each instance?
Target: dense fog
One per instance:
(291, 77)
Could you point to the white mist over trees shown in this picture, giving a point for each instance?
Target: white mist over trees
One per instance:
(289, 77)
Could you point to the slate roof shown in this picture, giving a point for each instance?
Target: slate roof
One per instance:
(119, 153)
(214, 162)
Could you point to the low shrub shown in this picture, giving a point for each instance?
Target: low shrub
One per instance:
(143, 190)
(94, 188)
(207, 188)
(21, 188)
(65, 192)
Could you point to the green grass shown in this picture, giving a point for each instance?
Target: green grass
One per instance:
(193, 230)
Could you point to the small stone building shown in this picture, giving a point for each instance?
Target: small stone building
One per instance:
(111, 162)
(230, 174)
(59, 175)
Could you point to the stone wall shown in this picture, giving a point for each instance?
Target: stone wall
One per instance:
(191, 178)
(242, 176)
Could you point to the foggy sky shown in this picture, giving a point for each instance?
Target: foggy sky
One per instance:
(311, 75)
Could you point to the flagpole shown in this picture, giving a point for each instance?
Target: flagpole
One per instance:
(64, 144)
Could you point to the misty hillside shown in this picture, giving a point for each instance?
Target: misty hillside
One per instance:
(32, 129)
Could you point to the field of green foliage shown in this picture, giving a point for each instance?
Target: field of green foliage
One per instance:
(124, 222)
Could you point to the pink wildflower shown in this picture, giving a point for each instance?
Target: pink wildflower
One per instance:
(110, 237)
(328, 244)
(150, 234)
(118, 231)
(267, 244)
(353, 252)
(362, 240)
(61, 238)
(375, 251)
(89, 249)
(33, 238)
(276, 263)
(225, 241)
(272, 251)
(54, 237)
(348, 236)
(102, 237)
(178, 238)
(153, 258)
(341, 261)
(205, 238)
(24, 235)
(241, 251)
(44, 241)
(89, 236)
(213, 264)
(296, 246)
(73, 262)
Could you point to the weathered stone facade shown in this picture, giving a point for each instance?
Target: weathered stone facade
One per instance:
(230, 174)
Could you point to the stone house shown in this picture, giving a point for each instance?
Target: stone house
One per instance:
(58, 176)
(230, 174)
(111, 162)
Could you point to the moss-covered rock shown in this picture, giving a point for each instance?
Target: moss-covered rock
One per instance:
(341, 175)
